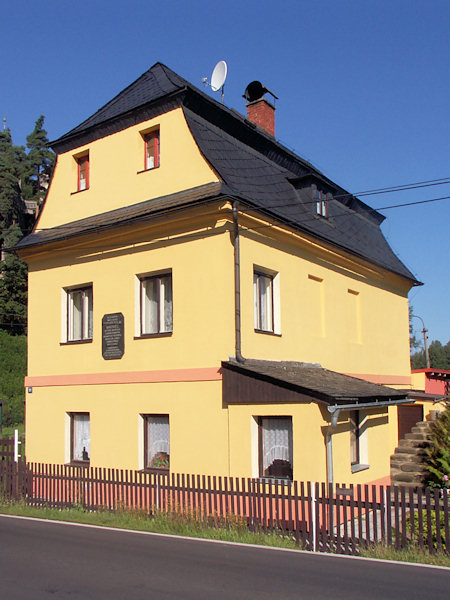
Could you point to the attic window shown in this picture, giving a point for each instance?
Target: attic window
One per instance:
(322, 204)
(82, 172)
(151, 146)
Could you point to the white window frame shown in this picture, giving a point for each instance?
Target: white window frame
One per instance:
(271, 298)
(161, 451)
(86, 311)
(164, 320)
(78, 420)
(358, 428)
(322, 204)
(281, 452)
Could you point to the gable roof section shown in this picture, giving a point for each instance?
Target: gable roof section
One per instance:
(157, 82)
(311, 380)
(256, 168)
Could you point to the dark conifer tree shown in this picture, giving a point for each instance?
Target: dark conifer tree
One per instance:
(40, 161)
(24, 179)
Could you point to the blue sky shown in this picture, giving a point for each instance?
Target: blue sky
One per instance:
(363, 87)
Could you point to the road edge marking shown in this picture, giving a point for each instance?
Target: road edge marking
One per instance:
(241, 544)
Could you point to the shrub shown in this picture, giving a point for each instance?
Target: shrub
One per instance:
(438, 453)
(13, 368)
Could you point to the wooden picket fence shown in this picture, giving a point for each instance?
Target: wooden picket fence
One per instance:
(320, 517)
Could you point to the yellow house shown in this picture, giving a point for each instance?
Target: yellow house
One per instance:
(203, 300)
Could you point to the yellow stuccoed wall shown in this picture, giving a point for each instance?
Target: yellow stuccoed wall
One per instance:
(361, 331)
(115, 179)
(320, 321)
(203, 317)
(198, 424)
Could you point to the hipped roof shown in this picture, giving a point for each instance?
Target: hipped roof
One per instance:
(253, 167)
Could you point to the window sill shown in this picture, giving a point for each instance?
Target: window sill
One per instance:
(75, 342)
(359, 467)
(276, 480)
(156, 471)
(79, 463)
(79, 191)
(145, 336)
(327, 219)
(147, 170)
(268, 332)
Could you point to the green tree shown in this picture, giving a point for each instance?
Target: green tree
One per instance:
(13, 272)
(23, 182)
(13, 368)
(39, 164)
(439, 356)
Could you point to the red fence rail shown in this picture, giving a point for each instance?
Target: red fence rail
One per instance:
(319, 517)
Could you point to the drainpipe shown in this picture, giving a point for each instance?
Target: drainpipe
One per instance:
(237, 285)
(335, 411)
(334, 420)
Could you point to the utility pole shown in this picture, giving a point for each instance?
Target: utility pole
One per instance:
(425, 340)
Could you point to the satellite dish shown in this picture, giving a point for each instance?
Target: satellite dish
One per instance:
(218, 76)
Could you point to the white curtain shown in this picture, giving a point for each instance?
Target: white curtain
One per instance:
(75, 315)
(157, 304)
(166, 293)
(81, 437)
(158, 436)
(150, 289)
(263, 303)
(88, 313)
(277, 440)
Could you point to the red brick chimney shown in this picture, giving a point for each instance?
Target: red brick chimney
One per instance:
(262, 112)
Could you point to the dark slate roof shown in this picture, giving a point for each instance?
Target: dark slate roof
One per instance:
(255, 167)
(125, 216)
(157, 82)
(266, 185)
(313, 380)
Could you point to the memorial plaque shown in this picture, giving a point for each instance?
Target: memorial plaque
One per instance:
(113, 344)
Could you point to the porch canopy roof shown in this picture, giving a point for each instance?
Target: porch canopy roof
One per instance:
(310, 381)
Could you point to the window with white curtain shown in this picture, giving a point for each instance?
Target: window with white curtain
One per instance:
(355, 434)
(275, 447)
(156, 304)
(263, 299)
(79, 314)
(81, 437)
(157, 442)
(322, 204)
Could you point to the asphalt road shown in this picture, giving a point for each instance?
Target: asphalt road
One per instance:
(44, 560)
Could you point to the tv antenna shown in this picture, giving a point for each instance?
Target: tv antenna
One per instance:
(218, 77)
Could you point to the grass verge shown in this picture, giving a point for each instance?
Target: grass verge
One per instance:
(8, 430)
(412, 555)
(235, 530)
(174, 524)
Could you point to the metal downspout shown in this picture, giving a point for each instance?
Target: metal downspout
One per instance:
(237, 285)
(334, 420)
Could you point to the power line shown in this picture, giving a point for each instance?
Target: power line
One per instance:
(413, 203)
(399, 188)
(378, 191)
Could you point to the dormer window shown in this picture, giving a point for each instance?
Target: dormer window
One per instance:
(82, 172)
(322, 204)
(151, 141)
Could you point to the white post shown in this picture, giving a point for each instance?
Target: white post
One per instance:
(16, 445)
(313, 514)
